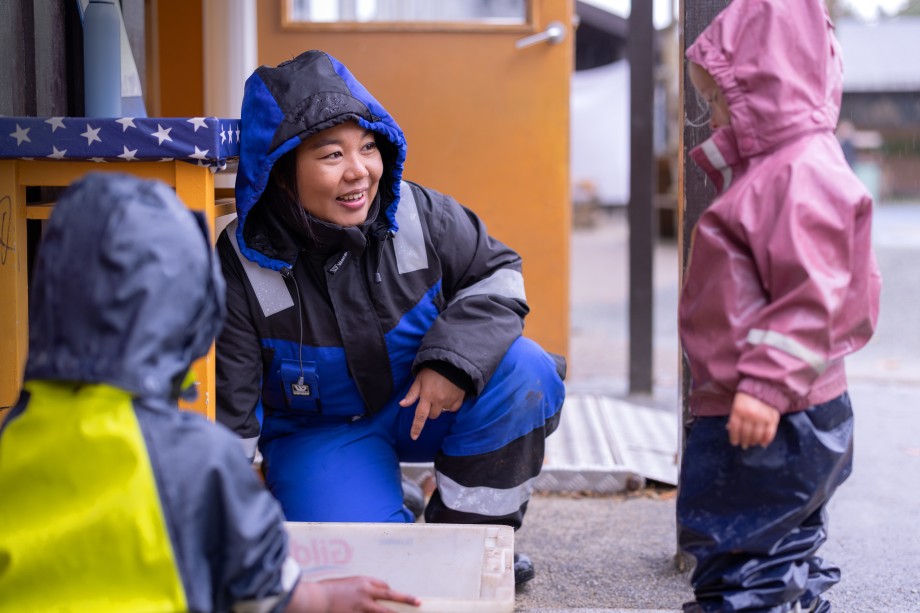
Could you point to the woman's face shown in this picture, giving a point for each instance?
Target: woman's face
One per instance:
(338, 173)
(709, 89)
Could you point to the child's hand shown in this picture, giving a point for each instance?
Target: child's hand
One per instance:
(751, 422)
(348, 595)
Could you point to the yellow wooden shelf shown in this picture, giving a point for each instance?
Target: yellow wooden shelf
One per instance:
(39, 210)
(193, 184)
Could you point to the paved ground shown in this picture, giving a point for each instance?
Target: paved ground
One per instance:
(607, 554)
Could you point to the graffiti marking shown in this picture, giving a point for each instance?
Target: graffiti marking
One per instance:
(6, 228)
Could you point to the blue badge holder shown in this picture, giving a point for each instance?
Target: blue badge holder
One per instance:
(300, 385)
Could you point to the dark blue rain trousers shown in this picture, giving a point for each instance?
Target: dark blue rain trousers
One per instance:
(754, 518)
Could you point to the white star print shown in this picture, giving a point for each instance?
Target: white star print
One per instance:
(91, 134)
(223, 136)
(199, 154)
(57, 155)
(128, 155)
(166, 159)
(162, 134)
(237, 135)
(56, 122)
(198, 122)
(98, 160)
(126, 122)
(21, 135)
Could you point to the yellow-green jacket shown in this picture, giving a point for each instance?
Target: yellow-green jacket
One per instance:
(110, 498)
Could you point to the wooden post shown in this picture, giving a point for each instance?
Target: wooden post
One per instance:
(195, 187)
(641, 212)
(694, 189)
(14, 308)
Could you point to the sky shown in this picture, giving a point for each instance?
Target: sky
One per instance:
(865, 8)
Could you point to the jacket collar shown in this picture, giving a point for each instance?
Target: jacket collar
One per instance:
(277, 239)
(719, 158)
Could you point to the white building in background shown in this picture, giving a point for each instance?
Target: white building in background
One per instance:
(599, 121)
(600, 98)
(881, 103)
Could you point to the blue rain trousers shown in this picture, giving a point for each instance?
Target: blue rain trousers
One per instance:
(753, 519)
(486, 456)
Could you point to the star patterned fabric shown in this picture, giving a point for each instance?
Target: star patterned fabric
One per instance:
(205, 141)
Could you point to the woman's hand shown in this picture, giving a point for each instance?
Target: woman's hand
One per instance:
(435, 395)
(751, 422)
(348, 595)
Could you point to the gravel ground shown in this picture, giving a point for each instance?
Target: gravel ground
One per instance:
(611, 552)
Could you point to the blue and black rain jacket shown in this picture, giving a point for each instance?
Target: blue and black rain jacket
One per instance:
(328, 322)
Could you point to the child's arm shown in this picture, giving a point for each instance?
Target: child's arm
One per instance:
(809, 233)
(348, 595)
(751, 422)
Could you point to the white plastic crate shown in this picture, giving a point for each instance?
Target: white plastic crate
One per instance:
(452, 568)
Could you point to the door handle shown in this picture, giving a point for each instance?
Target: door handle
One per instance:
(553, 34)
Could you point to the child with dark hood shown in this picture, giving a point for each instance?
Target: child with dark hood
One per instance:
(782, 284)
(113, 499)
(372, 321)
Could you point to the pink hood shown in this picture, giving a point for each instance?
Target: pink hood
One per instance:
(782, 282)
(778, 64)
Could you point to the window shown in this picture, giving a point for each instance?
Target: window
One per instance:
(407, 14)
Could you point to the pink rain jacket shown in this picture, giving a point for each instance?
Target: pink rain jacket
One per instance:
(782, 282)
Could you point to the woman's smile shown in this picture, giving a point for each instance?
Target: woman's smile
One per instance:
(354, 200)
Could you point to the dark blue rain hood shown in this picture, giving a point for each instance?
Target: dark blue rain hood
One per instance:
(288, 103)
(126, 290)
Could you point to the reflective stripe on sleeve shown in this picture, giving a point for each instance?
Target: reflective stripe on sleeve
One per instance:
(788, 345)
(290, 575)
(718, 161)
(250, 446)
(506, 282)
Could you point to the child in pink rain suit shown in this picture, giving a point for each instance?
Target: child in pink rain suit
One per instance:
(782, 285)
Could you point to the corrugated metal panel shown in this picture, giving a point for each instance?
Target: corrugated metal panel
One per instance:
(605, 445)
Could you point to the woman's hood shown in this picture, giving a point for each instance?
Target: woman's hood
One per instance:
(126, 289)
(285, 104)
(779, 67)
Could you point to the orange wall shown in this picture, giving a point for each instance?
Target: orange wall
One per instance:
(178, 59)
